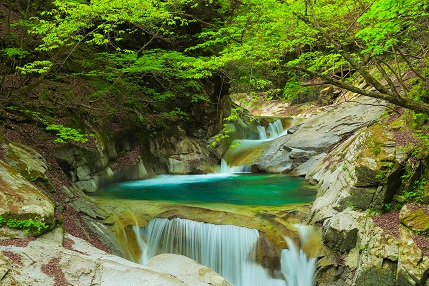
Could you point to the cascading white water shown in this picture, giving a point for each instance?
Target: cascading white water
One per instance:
(274, 130)
(262, 132)
(297, 268)
(225, 169)
(227, 249)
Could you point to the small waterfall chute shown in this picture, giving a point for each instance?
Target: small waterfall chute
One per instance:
(298, 268)
(237, 158)
(225, 169)
(275, 129)
(227, 249)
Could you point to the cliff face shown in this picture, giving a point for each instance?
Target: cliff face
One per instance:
(369, 175)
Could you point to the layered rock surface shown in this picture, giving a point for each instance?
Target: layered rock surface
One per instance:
(318, 135)
(62, 259)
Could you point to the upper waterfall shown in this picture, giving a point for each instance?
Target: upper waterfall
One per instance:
(238, 158)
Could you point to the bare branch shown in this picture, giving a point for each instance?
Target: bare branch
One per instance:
(400, 101)
(387, 78)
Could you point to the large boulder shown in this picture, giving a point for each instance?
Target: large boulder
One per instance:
(62, 259)
(415, 217)
(319, 134)
(26, 161)
(186, 269)
(21, 200)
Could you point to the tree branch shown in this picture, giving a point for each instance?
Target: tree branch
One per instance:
(340, 49)
(400, 101)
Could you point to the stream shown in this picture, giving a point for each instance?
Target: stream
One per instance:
(228, 249)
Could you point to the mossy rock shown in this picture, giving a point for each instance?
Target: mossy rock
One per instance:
(21, 200)
(26, 161)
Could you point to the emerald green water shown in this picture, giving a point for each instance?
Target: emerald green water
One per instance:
(239, 189)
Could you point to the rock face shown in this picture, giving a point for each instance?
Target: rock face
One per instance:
(340, 232)
(319, 134)
(19, 199)
(26, 161)
(351, 174)
(114, 159)
(61, 259)
(355, 164)
(91, 168)
(369, 257)
(183, 154)
(373, 256)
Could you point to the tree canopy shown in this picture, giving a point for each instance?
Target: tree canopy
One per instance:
(169, 48)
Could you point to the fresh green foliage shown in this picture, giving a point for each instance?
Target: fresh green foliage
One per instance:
(65, 134)
(390, 22)
(14, 52)
(417, 191)
(222, 135)
(29, 226)
(39, 67)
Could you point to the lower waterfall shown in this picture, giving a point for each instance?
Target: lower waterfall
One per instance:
(227, 249)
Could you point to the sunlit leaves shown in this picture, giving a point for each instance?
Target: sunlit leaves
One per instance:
(39, 67)
(389, 22)
(14, 53)
(95, 22)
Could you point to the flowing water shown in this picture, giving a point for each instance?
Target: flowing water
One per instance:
(238, 189)
(244, 152)
(229, 250)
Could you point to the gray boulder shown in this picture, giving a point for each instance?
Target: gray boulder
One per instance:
(340, 232)
(320, 134)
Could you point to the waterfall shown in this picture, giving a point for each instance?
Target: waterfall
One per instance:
(262, 132)
(297, 268)
(227, 249)
(247, 147)
(225, 169)
(275, 129)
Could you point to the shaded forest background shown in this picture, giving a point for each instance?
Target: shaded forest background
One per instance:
(156, 62)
